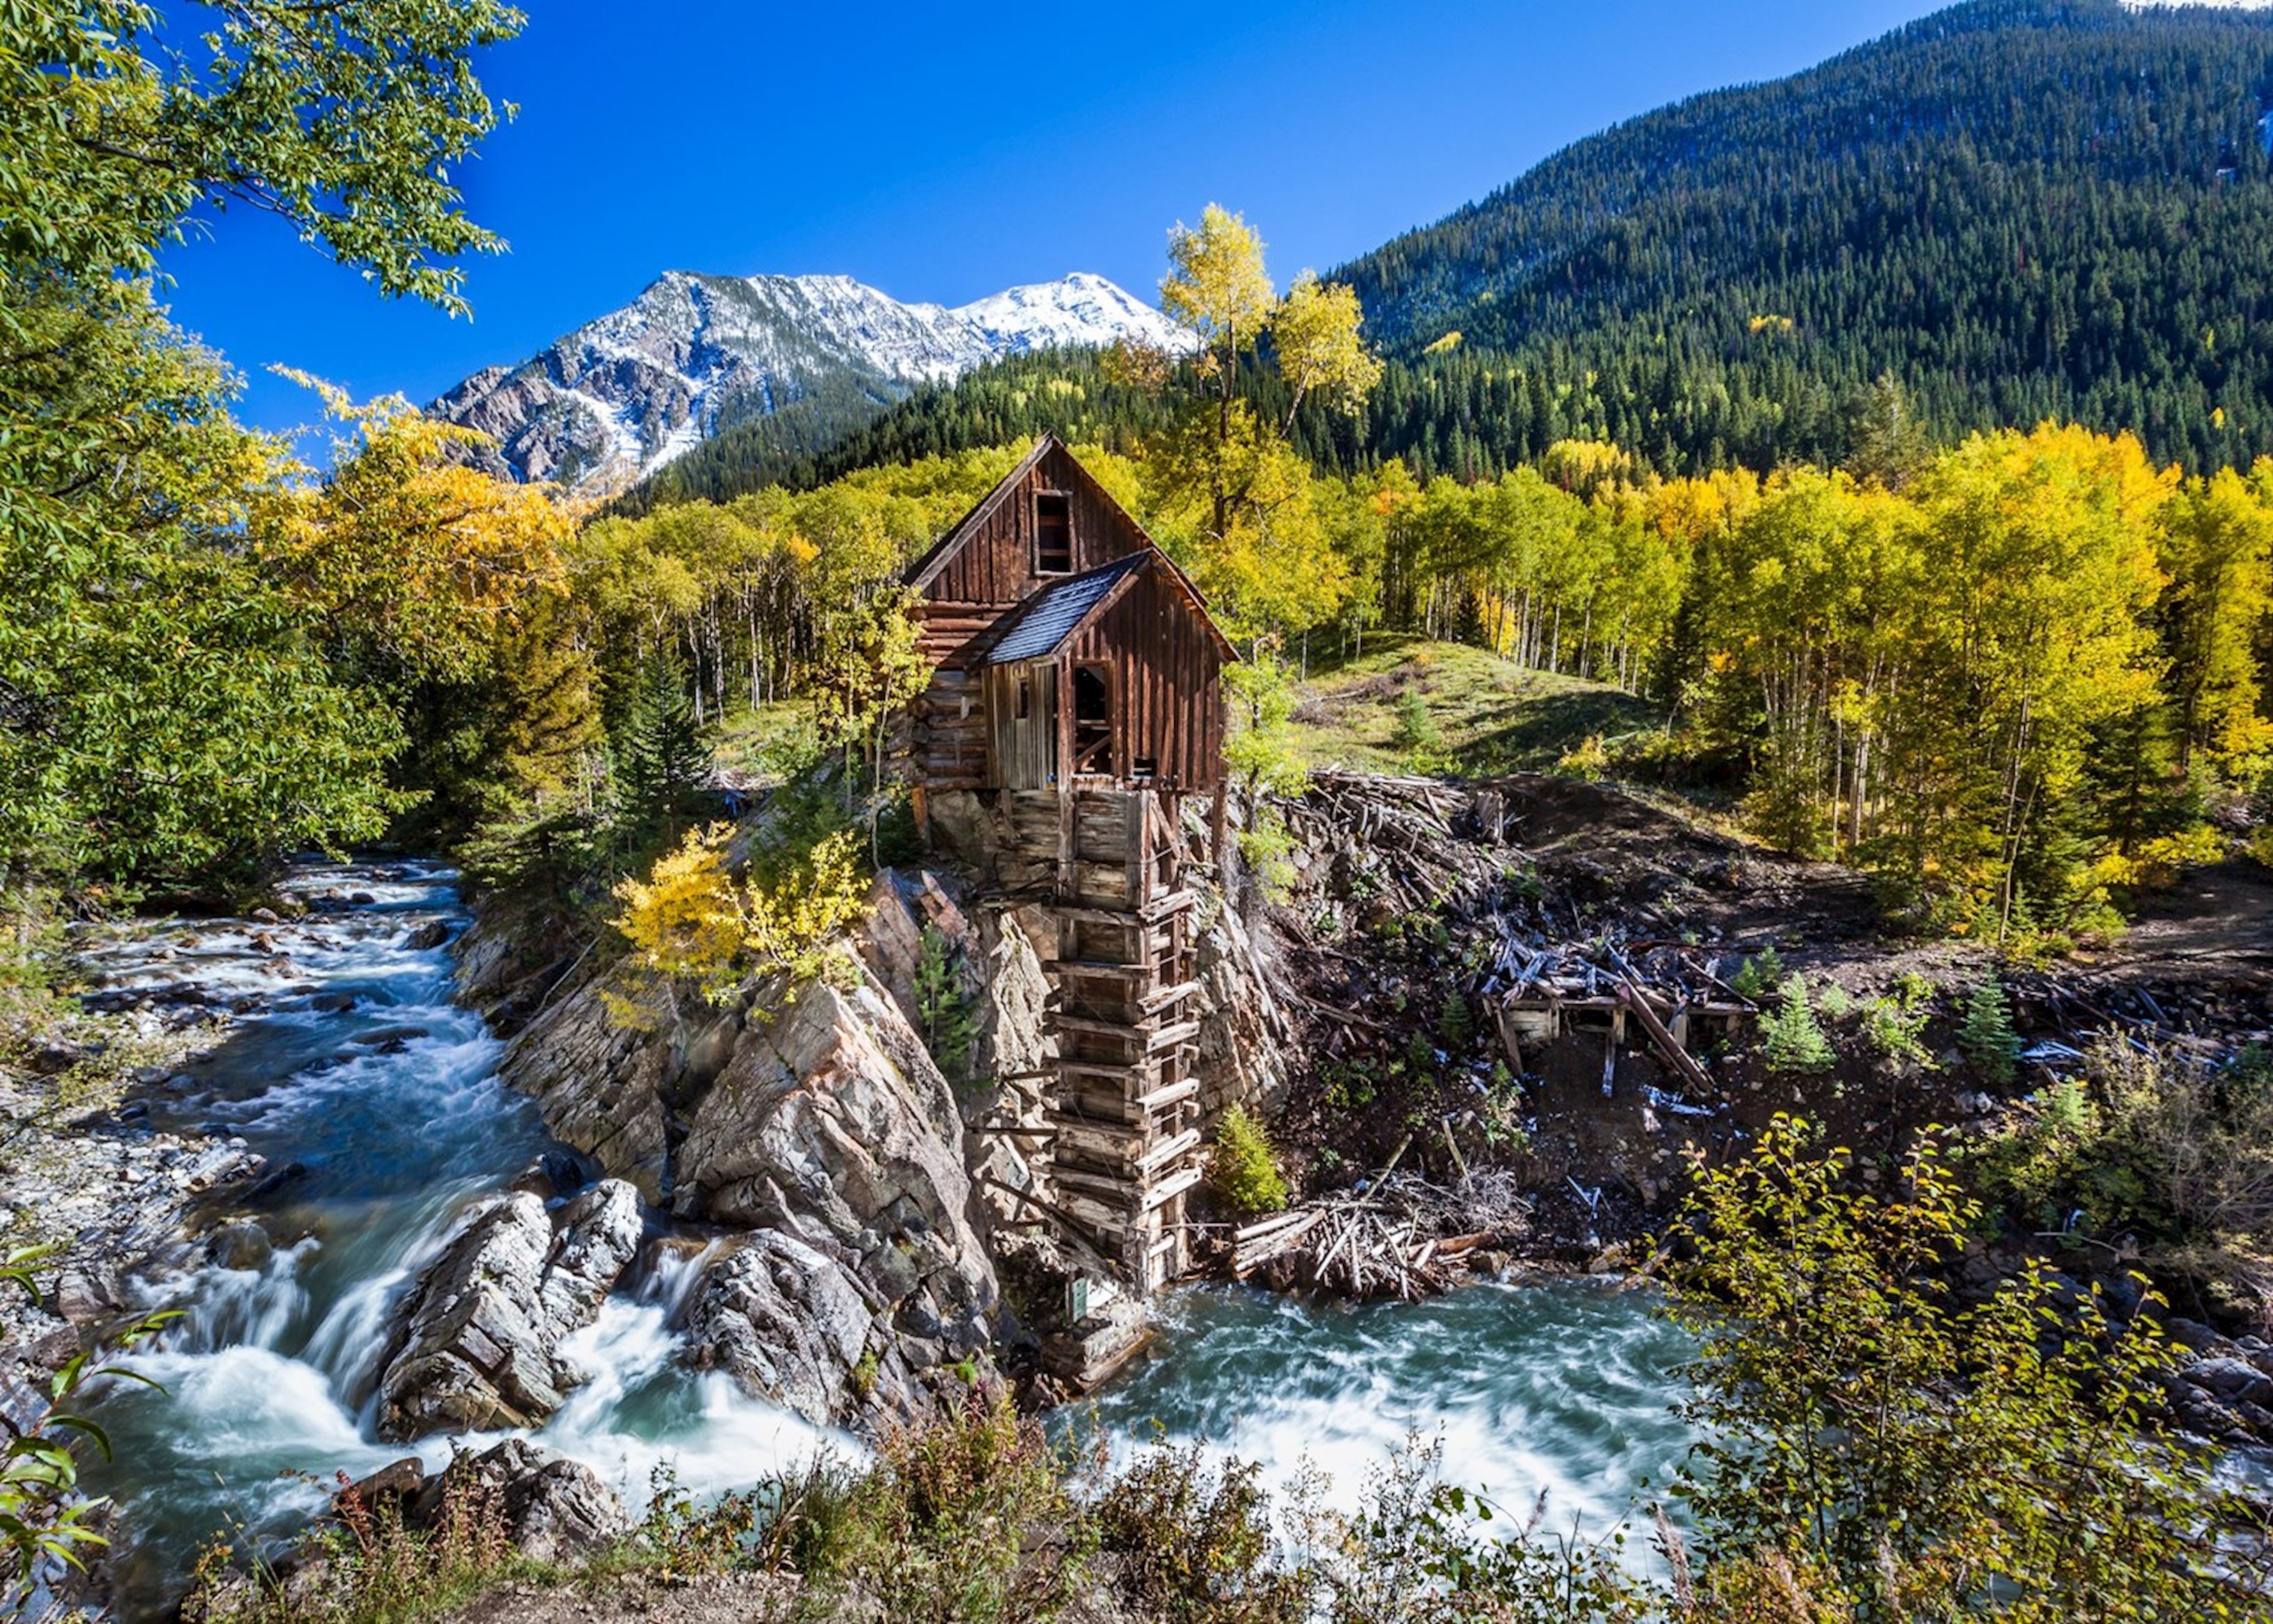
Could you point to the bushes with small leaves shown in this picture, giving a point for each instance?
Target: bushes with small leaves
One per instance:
(1243, 1170)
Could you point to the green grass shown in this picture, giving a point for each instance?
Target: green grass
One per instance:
(1477, 714)
(753, 740)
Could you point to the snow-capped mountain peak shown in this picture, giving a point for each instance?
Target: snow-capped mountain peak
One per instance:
(694, 355)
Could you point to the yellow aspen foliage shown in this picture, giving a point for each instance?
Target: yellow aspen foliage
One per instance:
(1321, 349)
(691, 919)
(406, 547)
(685, 919)
(788, 924)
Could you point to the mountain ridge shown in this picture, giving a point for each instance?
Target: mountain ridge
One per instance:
(628, 393)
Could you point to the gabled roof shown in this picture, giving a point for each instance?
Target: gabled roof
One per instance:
(919, 573)
(1051, 619)
(1038, 627)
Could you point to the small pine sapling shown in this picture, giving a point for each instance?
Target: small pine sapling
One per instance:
(944, 1007)
(1986, 1037)
(1455, 1026)
(1792, 1038)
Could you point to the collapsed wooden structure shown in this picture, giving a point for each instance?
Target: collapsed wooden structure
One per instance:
(1077, 681)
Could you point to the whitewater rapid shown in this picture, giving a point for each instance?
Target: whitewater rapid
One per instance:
(376, 1096)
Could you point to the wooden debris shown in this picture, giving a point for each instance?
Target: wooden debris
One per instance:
(1387, 1240)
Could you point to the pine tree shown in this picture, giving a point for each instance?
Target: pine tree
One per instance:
(1792, 1038)
(1455, 1026)
(1987, 1037)
(664, 754)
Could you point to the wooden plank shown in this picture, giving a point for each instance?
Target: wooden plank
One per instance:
(1161, 1155)
(1152, 1003)
(1174, 1185)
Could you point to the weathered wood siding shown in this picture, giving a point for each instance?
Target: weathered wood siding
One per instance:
(1026, 748)
(993, 567)
(1167, 684)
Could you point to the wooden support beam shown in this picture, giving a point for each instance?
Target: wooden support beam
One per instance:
(1174, 1185)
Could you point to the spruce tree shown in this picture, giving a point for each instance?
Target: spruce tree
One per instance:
(1792, 1038)
(1987, 1037)
(664, 754)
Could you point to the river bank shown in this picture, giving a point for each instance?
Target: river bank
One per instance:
(314, 1176)
(360, 1103)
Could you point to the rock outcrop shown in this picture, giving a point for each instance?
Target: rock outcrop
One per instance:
(790, 1325)
(548, 1507)
(813, 1117)
(476, 1343)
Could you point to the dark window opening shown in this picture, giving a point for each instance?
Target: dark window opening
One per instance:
(1092, 719)
(1025, 698)
(1053, 533)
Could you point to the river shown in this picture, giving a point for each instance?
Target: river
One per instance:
(357, 1067)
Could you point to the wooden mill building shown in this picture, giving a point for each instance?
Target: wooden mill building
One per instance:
(1077, 684)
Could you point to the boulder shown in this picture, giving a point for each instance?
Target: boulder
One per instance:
(830, 1121)
(2233, 1379)
(552, 1508)
(476, 1344)
(787, 1323)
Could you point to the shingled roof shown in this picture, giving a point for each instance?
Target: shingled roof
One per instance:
(1038, 627)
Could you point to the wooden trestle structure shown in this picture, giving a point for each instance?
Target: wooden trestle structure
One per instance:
(1076, 686)
(1124, 1115)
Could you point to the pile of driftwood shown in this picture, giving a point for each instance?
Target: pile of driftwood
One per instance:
(2220, 1007)
(1408, 827)
(1397, 1236)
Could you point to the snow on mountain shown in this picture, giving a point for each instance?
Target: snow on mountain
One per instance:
(694, 355)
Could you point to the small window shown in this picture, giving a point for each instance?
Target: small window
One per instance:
(1053, 533)
(1025, 698)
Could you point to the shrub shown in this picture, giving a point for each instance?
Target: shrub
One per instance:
(1243, 1170)
(1986, 1036)
(1267, 846)
(1792, 1038)
(1416, 727)
(42, 1515)
(1913, 1452)
(1193, 1543)
(1894, 1026)
(692, 918)
(1757, 977)
(964, 1522)
(1589, 759)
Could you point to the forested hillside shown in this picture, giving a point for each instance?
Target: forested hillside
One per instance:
(2023, 208)
(2019, 209)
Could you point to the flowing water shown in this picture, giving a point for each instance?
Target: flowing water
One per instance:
(356, 1068)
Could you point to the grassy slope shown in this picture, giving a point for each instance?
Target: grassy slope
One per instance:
(1491, 715)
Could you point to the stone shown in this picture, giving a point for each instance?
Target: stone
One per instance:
(430, 936)
(786, 1322)
(396, 1481)
(241, 1245)
(830, 1120)
(553, 1509)
(475, 1344)
(2231, 1379)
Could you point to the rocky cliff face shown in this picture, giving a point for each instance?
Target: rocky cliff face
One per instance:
(812, 1123)
(867, 1197)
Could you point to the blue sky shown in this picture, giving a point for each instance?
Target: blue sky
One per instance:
(946, 151)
